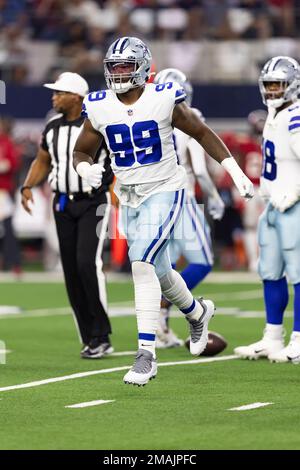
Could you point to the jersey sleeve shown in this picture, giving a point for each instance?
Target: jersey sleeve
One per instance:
(178, 93)
(295, 143)
(294, 121)
(294, 130)
(197, 155)
(88, 108)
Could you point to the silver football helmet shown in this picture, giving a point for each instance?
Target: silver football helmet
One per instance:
(175, 75)
(283, 70)
(134, 57)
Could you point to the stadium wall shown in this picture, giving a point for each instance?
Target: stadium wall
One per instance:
(215, 101)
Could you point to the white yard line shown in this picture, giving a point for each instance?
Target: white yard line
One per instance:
(79, 375)
(48, 277)
(130, 311)
(90, 403)
(123, 353)
(240, 295)
(252, 406)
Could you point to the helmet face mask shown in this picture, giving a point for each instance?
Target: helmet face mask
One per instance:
(127, 64)
(175, 75)
(279, 81)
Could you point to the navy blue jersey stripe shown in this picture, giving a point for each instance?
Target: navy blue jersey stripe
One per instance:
(295, 118)
(180, 92)
(294, 126)
(179, 100)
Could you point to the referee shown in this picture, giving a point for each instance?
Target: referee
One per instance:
(81, 211)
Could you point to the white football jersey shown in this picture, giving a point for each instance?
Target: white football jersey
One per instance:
(191, 156)
(281, 151)
(139, 136)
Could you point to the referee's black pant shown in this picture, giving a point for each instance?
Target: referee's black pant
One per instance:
(81, 232)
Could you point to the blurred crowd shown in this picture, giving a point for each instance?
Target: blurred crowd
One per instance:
(82, 29)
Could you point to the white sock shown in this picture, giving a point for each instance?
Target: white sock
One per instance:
(295, 336)
(274, 331)
(164, 319)
(147, 303)
(175, 290)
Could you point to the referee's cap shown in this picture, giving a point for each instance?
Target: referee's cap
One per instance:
(70, 82)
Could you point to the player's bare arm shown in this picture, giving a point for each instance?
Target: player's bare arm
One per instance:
(87, 144)
(37, 173)
(187, 121)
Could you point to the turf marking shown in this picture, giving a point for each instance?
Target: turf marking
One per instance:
(129, 311)
(123, 353)
(79, 375)
(89, 403)
(252, 406)
(47, 277)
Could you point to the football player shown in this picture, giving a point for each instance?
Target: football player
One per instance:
(192, 234)
(279, 229)
(137, 123)
(249, 150)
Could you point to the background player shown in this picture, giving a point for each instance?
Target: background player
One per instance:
(250, 159)
(192, 234)
(278, 231)
(137, 123)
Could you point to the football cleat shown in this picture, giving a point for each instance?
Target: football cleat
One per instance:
(143, 369)
(167, 340)
(262, 348)
(84, 348)
(216, 344)
(199, 328)
(291, 353)
(165, 336)
(103, 349)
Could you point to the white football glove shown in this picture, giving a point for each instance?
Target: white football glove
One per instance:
(92, 174)
(282, 202)
(242, 182)
(215, 207)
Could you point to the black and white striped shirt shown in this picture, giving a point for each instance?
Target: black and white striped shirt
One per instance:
(58, 139)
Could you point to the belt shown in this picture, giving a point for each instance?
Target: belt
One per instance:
(79, 196)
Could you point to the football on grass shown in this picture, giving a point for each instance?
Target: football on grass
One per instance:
(216, 344)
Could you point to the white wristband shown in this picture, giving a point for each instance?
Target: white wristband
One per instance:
(82, 168)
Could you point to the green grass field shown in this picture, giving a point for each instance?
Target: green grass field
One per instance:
(186, 407)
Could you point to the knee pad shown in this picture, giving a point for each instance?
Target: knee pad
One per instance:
(269, 272)
(292, 270)
(166, 281)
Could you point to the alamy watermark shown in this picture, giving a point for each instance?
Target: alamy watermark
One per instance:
(187, 226)
(2, 352)
(2, 92)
